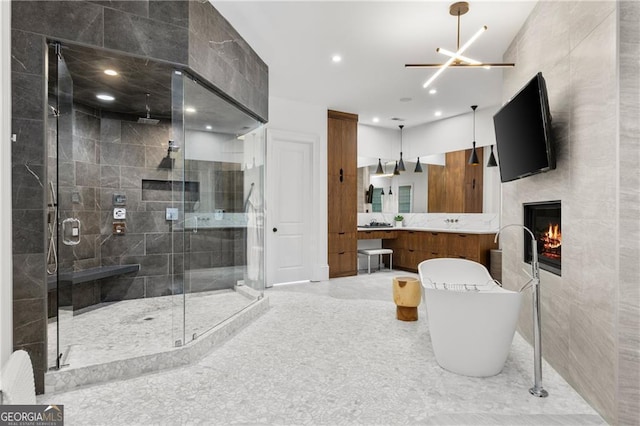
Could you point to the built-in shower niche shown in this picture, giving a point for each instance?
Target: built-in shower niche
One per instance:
(155, 190)
(544, 219)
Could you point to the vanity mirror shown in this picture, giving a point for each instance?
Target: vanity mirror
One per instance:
(444, 186)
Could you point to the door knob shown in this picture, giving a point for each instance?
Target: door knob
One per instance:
(275, 229)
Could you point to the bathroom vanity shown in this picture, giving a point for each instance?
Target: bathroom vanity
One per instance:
(413, 245)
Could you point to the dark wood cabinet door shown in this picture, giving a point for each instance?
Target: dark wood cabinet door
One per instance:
(342, 213)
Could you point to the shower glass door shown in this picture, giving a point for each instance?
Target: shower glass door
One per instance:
(60, 148)
(221, 151)
(112, 284)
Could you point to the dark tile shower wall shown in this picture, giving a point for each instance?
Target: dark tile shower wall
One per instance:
(174, 31)
(110, 156)
(28, 199)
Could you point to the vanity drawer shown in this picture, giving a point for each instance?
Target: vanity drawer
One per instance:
(434, 242)
(343, 264)
(376, 235)
(463, 246)
(340, 242)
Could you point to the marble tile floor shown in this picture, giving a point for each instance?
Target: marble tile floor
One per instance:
(329, 353)
(138, 327)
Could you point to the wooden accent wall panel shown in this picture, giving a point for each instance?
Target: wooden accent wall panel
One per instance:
(456, 187)
(436, 190)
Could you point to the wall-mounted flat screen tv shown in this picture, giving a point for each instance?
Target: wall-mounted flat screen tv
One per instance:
(523, 133)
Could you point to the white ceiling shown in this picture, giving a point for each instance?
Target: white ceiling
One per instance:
(375, 39)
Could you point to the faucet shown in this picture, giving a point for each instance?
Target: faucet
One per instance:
(537, 389)
(535, 267)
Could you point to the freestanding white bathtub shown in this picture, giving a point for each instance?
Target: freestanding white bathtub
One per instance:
(471, 319)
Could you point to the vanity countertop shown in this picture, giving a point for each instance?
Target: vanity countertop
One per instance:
(434, 229)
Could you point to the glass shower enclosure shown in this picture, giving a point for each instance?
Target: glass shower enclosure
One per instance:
(155, 211)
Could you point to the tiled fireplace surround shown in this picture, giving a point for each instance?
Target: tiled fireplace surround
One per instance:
(190, 34)
(590, 314)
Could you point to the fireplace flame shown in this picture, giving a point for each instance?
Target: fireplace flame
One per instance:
(551, 241)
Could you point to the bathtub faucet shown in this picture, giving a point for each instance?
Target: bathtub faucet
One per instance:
(537, 389)
(535, 266)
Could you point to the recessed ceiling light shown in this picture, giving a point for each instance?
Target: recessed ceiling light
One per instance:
(336, 58)
(438, 113)
(208, 127)
(111, 72)
(190, 109)
(375, 119)
(105, 97)
(433, 91)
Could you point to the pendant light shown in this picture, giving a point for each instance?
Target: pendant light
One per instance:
(396, 170)
(390, 193)
(473, 158)
(418, 167)
(456, 59)
(401, 163)
(379, 170)
(492, 159)
(382, 191)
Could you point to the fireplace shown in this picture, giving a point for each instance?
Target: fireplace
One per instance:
(544, 220)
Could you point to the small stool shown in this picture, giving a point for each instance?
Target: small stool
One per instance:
(379, 252)
(406, 295)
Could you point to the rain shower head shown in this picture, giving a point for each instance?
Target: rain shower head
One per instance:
(148, 119)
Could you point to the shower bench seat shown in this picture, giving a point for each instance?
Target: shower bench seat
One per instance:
(91, 274)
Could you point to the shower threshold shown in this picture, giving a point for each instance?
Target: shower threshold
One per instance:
(133, 337)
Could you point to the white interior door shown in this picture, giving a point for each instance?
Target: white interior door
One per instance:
(289, 233)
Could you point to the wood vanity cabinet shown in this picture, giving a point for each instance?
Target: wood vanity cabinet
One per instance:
(471, 246)
(435, 244)
(407, 249)
(457, 186)
(377, 235)
(412, 247)
(342, 142)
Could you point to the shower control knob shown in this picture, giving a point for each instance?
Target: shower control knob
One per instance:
(275, 229)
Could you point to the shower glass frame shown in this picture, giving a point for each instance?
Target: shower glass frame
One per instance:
(221, 148)
(183, 295)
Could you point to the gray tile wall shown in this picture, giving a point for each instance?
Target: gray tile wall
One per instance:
(161, 30)
(28, 200)
(575, 45)
(220, 55)
(629, 224)
(110, 156)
